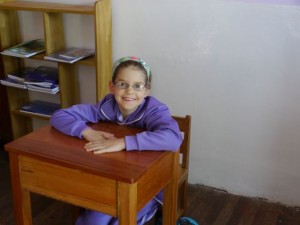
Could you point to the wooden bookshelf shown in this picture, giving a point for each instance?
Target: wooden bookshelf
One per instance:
(54, 34)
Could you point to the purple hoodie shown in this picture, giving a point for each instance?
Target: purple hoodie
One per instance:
(161, 130)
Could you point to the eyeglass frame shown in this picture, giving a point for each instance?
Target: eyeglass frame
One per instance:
(133, 86)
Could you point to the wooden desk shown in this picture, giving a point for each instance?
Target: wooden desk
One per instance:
(52, 164)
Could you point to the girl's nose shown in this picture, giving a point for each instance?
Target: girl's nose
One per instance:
(129, 89)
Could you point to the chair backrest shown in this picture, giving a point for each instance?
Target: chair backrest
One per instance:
(183, 168)
(185, 128)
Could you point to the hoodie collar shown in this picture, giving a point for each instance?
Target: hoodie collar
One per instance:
(111, 112)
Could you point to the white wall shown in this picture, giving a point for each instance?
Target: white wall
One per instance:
(232, 65)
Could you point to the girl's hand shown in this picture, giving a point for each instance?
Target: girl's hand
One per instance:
(105, 146)
(90, 134)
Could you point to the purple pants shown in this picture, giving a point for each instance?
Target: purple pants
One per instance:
(89, 217)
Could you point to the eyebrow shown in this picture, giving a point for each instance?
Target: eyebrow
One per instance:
(127, 82)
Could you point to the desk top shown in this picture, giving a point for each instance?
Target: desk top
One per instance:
(51, 145)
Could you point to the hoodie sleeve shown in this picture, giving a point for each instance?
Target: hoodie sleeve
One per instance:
(72, 121)
(162, 132)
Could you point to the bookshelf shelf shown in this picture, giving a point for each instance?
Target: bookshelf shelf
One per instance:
(48, 7)
(18, 113)
(54, 35)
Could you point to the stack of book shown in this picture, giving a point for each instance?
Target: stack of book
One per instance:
(13, 83)
(26, 49)
(42, 79)
(16, 78)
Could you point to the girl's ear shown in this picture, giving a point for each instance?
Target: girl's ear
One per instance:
(147, 92)
(111, 87)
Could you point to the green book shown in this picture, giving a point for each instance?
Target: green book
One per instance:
(26, 49)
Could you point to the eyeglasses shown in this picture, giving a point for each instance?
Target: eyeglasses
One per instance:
(135, 86)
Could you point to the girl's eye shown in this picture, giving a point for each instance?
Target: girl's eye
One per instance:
(138, 86)
(121, 85)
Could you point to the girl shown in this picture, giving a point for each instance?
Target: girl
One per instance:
(128, 103)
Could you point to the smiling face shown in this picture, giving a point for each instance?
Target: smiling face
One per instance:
(129, 99)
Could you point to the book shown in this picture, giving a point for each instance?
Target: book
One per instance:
(50, 90)
(26, 49)
(70, 55)
(43, 76)
(38, 83)
(39, 107)
(13, 83)
(20, 74)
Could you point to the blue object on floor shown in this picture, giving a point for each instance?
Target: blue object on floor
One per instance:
(181, 221)
(186, 221)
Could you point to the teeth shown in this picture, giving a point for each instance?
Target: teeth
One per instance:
(128, 99)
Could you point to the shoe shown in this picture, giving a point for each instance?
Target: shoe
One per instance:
(186, 221)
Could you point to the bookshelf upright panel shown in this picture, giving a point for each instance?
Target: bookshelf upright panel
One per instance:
(69, 93)
(54, 32)
(103, 45)
(10, 36)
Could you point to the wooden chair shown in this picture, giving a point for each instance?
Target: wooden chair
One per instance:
(185, 128)
(183, 169)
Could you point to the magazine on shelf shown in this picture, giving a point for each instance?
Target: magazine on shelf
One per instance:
(70, 55)
(13, 83)
(50, 90)
(43, 76)
(38, 83)
(20, 74)
(39, 107)
(26, 49)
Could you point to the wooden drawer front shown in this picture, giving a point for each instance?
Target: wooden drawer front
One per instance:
(69, 185)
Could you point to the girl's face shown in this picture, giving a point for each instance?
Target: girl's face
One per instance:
(128, 89)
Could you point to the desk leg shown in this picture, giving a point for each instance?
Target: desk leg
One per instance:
(171, 196)
(26, 207)
(127, 207)
(21, 197)
(170, 204)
